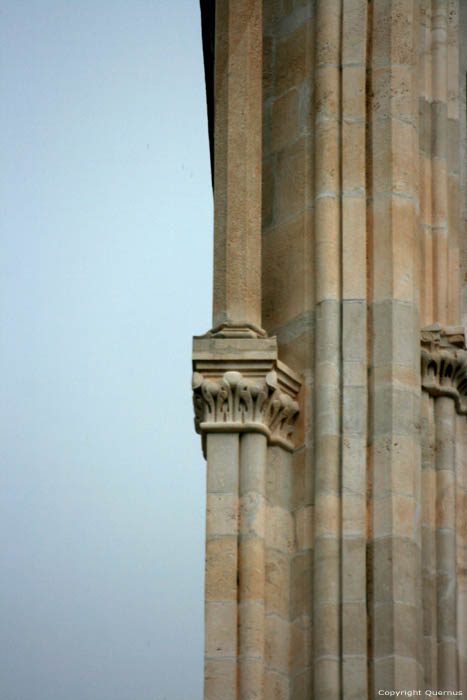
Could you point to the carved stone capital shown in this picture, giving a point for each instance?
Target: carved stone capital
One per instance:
(239, 385)
(444, 364)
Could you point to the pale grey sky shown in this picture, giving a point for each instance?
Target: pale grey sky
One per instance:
(106, 240)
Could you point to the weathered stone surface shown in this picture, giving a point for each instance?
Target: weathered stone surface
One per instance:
(337, 551)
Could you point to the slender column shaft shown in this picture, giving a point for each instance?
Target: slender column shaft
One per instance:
(430, 613)
(439, 175)
(354, 351)
(327, 679)
(237, 162)
(395, 548)
(221, 567)
(426, 234)
(461, 541)
(251, 571)
(446, 541)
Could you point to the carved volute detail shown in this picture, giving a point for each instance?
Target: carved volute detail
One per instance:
(235, 403)
(444, 364)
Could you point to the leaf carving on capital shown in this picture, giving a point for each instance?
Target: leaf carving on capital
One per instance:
(234, 402)
(444, 373)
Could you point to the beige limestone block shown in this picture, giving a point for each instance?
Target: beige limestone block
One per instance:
(296, 340)
(276, 686)
(284, 287)
(302, 483)
(355, 372)
(394, 515)
(220, 679)
(221, 569)
(354, 629)
(446, 499)
(354, 678)
(354, 464)
(278, 477)
(326, 465)
(252, 507)
(293, 58)
(327, 514)
(326, 618)
(395, 629)
(327, 157)
(251, 563)
(447, 666)
(394, 93)
(354, 31)
(222, 513)
(326, 558)
(327, 679)
(328, 19)
(354, 410)
(302, 685)
(439, 50)
(293, 178)
(394, 33)
(353, 91)
(277, 583)
(393, 345)
(354, 247)
(400, 376)
(304, 527)
(395, 673)
(327, 408)
(429, 498)
(301, 585)
(387, 586)
(280, 529)
(353, 157)
(221, 629)
(327, 93)
(222, 463)
(327, 246)
(277, 643)
(353, 569)
(285, 119)
(354, 514)
(251, 629)
(328, 339)
(300, 645)
(237, 163)
(250, 679)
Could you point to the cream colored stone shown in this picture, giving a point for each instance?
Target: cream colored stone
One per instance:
(277, 636)
(355, 543)
(222, 513)
(277, 583)
(221, 629)
(285, 119)
(304, 527)
(221, 569)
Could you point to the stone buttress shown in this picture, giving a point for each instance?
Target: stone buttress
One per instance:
(331, 392)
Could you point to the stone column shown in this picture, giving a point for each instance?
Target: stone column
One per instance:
(444, 381)
(237, 163)
(394, 456)
(244, 400)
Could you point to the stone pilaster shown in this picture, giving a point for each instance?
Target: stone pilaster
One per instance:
(245, 405)
(444, 382)
(359, 580)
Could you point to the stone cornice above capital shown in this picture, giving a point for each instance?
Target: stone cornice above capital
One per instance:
(444, 364)
(239, 385)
